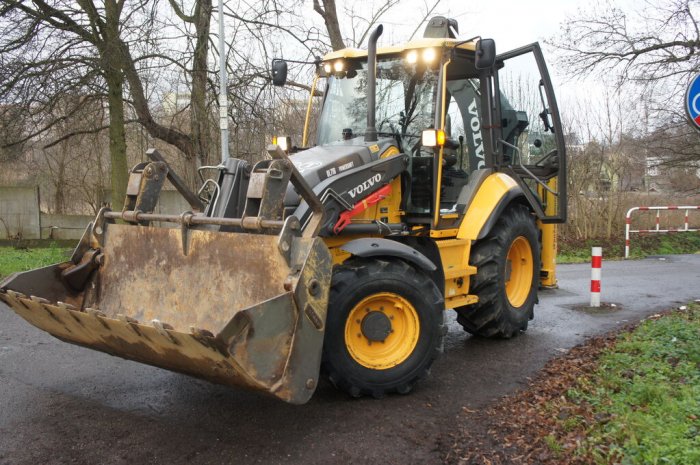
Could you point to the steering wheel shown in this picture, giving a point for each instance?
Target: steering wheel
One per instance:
(413, 149)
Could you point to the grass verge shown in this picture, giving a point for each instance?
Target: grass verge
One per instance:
(13, 259)
(643, 399)
(578, 251)
(631, 398)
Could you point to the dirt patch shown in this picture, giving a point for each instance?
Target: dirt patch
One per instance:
(605, 307)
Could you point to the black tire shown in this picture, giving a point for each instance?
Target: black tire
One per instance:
(357, 280)
(494, 315)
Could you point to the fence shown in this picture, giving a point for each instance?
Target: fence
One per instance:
(657, 229)
(19, 212)
(21, 216)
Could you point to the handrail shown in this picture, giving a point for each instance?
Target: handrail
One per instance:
(530, 173)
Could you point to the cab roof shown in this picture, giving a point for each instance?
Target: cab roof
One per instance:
(393, 49)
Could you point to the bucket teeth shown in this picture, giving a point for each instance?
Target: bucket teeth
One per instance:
(200, 333)
(15, 298)
(163, 328)
(206, 338)
(16, 295)
(133, 324)
(95, 312)
(65, 306)
(126, 319)
(39, 300)
(160, 326)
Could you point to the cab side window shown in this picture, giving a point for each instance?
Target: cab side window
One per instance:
(464, 114)
(455, 158)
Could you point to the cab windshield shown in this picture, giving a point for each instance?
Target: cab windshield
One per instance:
(405, 102)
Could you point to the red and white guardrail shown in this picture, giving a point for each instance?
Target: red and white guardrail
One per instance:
(596, 272)
(657, 229)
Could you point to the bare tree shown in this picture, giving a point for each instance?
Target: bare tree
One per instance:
(652, 47)
(362, 24)
(52, 48)
(12, 130)
(605, 165)
(659, 40)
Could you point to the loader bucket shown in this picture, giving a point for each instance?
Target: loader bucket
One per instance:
(235, 308)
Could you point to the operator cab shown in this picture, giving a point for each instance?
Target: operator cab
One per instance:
(437, 83)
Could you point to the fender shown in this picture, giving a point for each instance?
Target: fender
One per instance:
(494, 195)
(375, 247)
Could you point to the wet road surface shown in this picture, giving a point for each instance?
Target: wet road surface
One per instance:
(65, 404)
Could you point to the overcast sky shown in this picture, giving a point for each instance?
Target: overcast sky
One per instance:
(510, 22)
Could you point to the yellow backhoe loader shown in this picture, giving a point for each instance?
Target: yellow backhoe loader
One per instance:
(435, 182)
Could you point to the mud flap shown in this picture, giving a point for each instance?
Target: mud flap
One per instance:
(232, 308)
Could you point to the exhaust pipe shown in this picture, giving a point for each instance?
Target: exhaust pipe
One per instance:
(371, 131)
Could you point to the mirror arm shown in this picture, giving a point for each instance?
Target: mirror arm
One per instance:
(545, 111)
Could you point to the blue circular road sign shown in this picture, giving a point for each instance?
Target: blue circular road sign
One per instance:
(692, 102)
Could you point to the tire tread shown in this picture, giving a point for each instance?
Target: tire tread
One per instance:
(351, 271)
(489, 317)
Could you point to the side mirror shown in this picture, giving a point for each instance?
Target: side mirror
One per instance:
(279, 72)
(485, 54)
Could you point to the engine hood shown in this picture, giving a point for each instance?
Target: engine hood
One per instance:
(322, 162)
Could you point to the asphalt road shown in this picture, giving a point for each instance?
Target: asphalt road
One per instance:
(64, 404)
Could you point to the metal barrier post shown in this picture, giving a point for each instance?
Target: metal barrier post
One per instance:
(596, 265)
(628, 221)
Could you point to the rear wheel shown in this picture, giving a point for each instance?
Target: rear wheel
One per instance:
(384, 328)
(507, 262)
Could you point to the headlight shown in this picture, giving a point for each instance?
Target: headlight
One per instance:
(284, 142)
(433, 138)
(327, 68)
(338, 66)
(429, 55)
(412, 57)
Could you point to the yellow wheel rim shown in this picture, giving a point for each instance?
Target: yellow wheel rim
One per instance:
(519, 271)
(394, 319)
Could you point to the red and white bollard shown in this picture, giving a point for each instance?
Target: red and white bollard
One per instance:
(596, 264)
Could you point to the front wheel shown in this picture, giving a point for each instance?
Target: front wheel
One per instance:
(384, 328)
(507, 264)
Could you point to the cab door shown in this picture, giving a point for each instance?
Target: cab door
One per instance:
(530, 143)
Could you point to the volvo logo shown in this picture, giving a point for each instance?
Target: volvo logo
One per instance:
(359, 189)
(476, 135)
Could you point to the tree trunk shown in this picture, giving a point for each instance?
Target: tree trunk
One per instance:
(199, 118)
(59, 200)
(330, 17)
(112, 69)
(117, 140)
